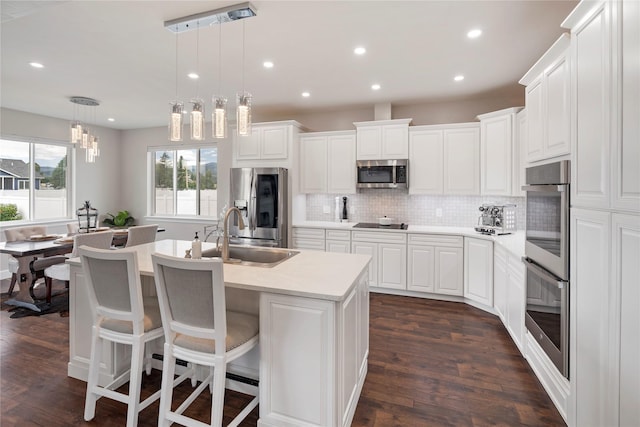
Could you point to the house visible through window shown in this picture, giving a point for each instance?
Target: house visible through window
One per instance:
(34, 180)
(185, 181)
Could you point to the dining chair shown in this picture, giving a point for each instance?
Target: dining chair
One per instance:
(141, 234)
(199, 330)
(121, 315)
(13, 235)
(54, 267)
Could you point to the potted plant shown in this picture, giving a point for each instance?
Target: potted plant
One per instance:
(122, 219)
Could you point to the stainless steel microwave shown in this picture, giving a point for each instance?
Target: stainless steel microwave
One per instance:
(383, 173)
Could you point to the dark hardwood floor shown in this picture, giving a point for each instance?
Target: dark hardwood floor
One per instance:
(431, 363)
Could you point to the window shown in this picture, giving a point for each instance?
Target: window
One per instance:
(35, 180)
(185, 181)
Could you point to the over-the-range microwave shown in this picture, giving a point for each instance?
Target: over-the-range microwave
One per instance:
(383, 173)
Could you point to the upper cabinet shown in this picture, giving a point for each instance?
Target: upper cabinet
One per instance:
(547, 98)
(383, 139)
(270, 144)
(328, 162)
(444, 159)
(499, 154)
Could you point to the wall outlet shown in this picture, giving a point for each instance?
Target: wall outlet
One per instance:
(326, 209)
(439, 212)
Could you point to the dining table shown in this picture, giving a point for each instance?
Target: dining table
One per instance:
(25, 251)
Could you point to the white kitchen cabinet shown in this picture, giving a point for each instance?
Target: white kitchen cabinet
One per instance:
(498, 170)
(435, 264)
(547, 98)
(426, 166)
(389, 257)
(500, 282)
(328, 162)
(338, 241)
(462, 161)
(519, 156)
(270, 144)
(516, 301)
(308, 238)
(626, 156)
(383, 139)
(626, 296)
(478, 270)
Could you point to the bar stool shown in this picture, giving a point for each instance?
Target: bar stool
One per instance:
(198, 329)
(121, 316)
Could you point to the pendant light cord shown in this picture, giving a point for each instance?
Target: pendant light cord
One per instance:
(198, 59)
(219, 59)
(243, 49)
(176, 64)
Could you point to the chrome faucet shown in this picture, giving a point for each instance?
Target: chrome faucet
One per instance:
(225, 225)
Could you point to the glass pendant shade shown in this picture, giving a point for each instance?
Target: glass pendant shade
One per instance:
(219, 117)
(243, 114)
(175, 121)
(85, 137)
(197, 120)
(75, 129)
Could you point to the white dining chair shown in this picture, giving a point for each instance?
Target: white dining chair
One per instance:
(55, 267)
(199, 330)
(141, 234)
(13, 235)
(121, 315)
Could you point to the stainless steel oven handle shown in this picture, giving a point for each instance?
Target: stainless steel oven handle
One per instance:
(546, 188)
(541, 272)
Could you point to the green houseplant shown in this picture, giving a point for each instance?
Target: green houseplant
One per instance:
(122, 219)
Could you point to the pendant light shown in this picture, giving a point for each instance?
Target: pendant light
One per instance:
(81, 131)
(197, 111)
(219, 115)
(243, 101)
(177, 107)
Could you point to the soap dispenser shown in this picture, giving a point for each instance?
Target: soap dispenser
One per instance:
(196, 248)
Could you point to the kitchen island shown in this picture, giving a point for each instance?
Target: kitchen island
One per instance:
(314, 339)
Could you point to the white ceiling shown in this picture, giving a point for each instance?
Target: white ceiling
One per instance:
(120, 53)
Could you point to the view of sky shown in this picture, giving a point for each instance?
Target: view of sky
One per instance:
(46, 155)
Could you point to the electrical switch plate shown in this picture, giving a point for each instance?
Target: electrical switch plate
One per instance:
(326, 209)
(439, 212)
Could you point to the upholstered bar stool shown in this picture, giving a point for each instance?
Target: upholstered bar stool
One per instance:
(198, 329)
(13, 235)
(55, 268)
(121, 315)
(141, 234)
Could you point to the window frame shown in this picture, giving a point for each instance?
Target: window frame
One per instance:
(151, 178)
(69, 178)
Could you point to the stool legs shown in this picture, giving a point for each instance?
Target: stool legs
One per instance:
(94, 370)
(168, 372)
(135, 380)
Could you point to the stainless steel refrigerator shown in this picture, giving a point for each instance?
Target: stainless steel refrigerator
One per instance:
(261, 194)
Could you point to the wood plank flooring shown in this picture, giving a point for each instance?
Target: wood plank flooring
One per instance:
(431, 363)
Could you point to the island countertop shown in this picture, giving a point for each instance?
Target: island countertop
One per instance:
(312, 274)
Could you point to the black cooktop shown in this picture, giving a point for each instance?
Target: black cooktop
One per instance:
(402, 226)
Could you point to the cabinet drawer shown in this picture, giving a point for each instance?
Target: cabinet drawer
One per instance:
(378, 237)
(338, 235)
(308, 233)
(302, 243)
(436, 240)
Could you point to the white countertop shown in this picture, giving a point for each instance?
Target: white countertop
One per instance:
(514, 243)
(312, 274)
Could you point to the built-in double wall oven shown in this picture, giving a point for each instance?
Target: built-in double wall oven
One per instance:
(547, 260)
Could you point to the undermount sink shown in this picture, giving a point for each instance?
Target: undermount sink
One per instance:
(253, 255)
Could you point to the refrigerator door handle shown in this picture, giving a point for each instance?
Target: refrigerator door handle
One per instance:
(251, 213)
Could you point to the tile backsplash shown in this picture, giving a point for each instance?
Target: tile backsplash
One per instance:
(370, 204)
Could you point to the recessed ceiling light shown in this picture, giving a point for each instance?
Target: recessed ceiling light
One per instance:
(193, 76)
(375, 86)
(458, 78)
(474, 34)
(267, 64)
(36, 65)
(306, 94)
(359, 50)
(111, 119)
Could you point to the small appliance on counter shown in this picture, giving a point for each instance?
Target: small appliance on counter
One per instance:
(497, 219)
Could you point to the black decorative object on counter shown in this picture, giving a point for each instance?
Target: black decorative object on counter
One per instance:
(344, 209)
(87, 218)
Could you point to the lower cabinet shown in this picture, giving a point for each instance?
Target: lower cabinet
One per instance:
(435, 264)
(338, 241)
(509, 293)
(308, 238)
(388, 253)
(478, 270)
